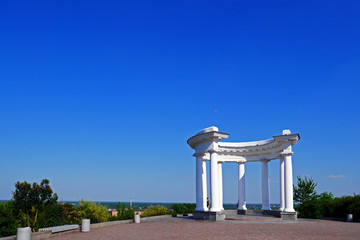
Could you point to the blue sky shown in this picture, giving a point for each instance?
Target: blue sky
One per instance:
(101, 96)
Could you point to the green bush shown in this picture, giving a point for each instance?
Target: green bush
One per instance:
(181, 208)
(155, 211)
(190, 207)
(177, 208)
(354, 208)
(340, 206)
(310, 209)
(93, 211)
(124, 213)
(313, 205)
(8, 221)
(59, 214)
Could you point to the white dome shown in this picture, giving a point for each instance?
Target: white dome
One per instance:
(209, 129)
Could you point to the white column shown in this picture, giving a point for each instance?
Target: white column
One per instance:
(214, 182)
(241, 187)
(289, 202)
(282, 185)
(265, 186)
(201, 188)
(220, 186)
(204, 186)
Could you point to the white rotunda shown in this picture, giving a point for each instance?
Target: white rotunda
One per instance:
(208, 147)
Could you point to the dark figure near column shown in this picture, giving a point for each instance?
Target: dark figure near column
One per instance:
(208, 203)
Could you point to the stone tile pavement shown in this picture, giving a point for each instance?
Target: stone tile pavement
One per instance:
(186, 228)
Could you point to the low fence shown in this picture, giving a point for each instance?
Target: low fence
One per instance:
(34, 236)
(50, 234)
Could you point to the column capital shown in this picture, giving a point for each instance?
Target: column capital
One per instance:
(265, 160)
(285, 153)
(243, 162)
(199, 154)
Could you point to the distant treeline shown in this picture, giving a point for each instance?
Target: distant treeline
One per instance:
(138, 206)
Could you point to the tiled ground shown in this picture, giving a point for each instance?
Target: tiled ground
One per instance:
(175, 228)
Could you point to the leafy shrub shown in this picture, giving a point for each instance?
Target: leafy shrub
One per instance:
(181, 208)
(124, 213)
(177, 208)
(340, 206)
(8, 222)
(59, 214)
(93, 211)
(313, 205)
(190, 207)
(354, 207)
(310, 209)
(155, 211)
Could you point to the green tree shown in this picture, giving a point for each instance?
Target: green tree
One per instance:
(32, 199)
(305, 190)
(326, 196)
(311, 204)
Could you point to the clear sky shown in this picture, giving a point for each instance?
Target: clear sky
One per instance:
(101, 96)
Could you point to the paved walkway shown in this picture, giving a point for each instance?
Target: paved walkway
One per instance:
(186, 228)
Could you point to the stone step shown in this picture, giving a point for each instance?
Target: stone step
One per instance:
(230, 212)
(273, 213)
(247, 212)
(254, 212)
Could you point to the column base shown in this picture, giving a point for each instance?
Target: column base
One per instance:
(289, 216)
(201, 209)
(241, 212)
(215, 210)
(289, 210)
(242, 209)
(208, 215)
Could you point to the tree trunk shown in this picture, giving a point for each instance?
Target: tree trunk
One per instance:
(36, 214)
(28, 218)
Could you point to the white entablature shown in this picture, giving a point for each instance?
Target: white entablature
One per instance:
(207, 140)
